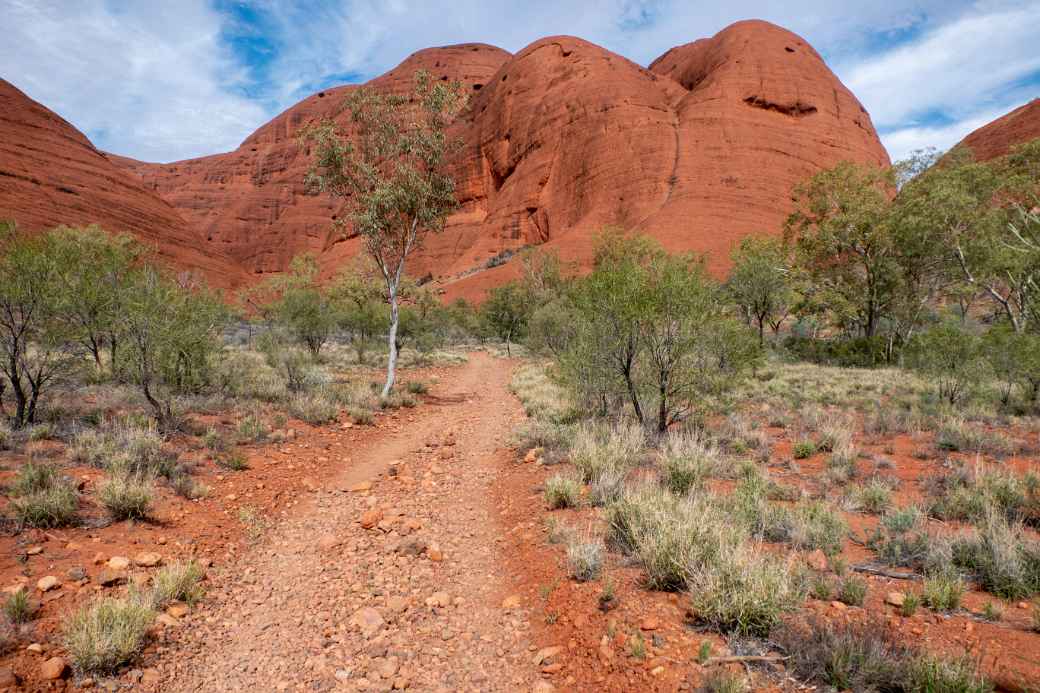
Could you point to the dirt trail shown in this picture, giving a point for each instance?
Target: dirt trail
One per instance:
(321, 603)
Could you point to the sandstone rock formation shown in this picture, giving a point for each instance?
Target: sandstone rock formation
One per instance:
(996, 139)
(51, 174)
(698, 150)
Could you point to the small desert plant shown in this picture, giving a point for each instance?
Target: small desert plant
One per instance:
(585, 557)
(362, 417)
(929, 673)
(596, 449)
(126, 496)
(813, 525)
(18, 607)
(686, 462)
(1002, 557)
(416, 387)
(821, 588)
(841, 465)
(803, 449)
(186, 487)
(252, 429)
(910, 603)
(723, 682)
(233, 461)
(253, 521)
(106, 634)
(993, 611)
(214, 441)
(562, 492)
(315, 408)
(178, 582)
(637, 646)
(873, 497)
(852, 590)
(943, 591)
(43, 498)
(41, 431)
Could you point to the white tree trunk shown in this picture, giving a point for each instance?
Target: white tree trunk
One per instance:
(391, 362)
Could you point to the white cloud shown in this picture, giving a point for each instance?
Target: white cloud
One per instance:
(957, 69)
(901, 142)
(148, 80)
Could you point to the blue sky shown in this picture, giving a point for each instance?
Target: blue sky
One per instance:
(162, 81)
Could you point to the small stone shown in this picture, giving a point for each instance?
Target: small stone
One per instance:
(397, 604)
(533, 454)
(511, 602)
(657, 671)
(838, 606)
(76, 574)
(441, 599)
(118, 563)
(167, 620)
(370, 518)
(48, 583)
(34, 550)
(178, 610)
(110, 578)
(895, 598)
(148, 559)
(368, 621)
(53, 669)
(362, 486)
(8, 679)
(817, 560)
(401, 683)
(649, 623)
(543, 686)
(35, 647)
(434, 553)
(329, 542)
(546, 653)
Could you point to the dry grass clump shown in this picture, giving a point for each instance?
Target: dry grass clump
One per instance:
(252, 428)
(943, 590)
(562, 492)
(19, 607)
(598, 448)
(955, 434)
(107, 633)
(874, 497)
(970, 494)
(723, 682)
(812, 525)
(686, 462)
(127, 496)
(1002, 556)
(868, 656)
(314, 407)
(42, 497)
(124, 448)
(177, 582)
(585, 553)
(542, 398)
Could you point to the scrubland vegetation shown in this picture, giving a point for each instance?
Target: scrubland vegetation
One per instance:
(873, 368)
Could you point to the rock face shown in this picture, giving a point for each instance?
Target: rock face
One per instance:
(997, 138)
(51, 174)
(699, 150)
(250, 203)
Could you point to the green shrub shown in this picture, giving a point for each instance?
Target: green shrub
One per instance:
(599, 448)
(873, 497)
(362, 417)
(952, 357)
(233, 461)
(803, 449)
(928, 673)
(125, 449)
(723, 682)
(1003, 558)
(213, 441)
(416, 387)
(910, 603)
(547, 435)
(562, 492)
(811, 526)
(252, 429)
(33, 477)
(41, 431)
(126, 497)
(106, 634)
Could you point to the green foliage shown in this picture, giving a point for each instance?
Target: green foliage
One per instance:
(562, 492)
(391, 173)
(18, 607)
(297, 303)
(951, 356)
(585, 557)
(943, 591)
(759, 283)
(126, 496)
(41, 497)
(178, 582)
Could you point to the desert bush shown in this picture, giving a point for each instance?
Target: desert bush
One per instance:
(968, 494)
(106, 634)
(543, 398)
(955, 434)
(187, 487)
(952, 357)
(123, 448)
(537, 433)
(416, 387)
(126, 496)
(841, 464)
(233, 461)
(686, 462)
(803, 449)
(584, 557)
(362, 417)
(213, 441)
(252, 429)
(901, 539)
(562, 492)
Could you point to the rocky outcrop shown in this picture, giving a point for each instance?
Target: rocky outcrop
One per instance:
(997, 138)
(50, 174)
(699, 150)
